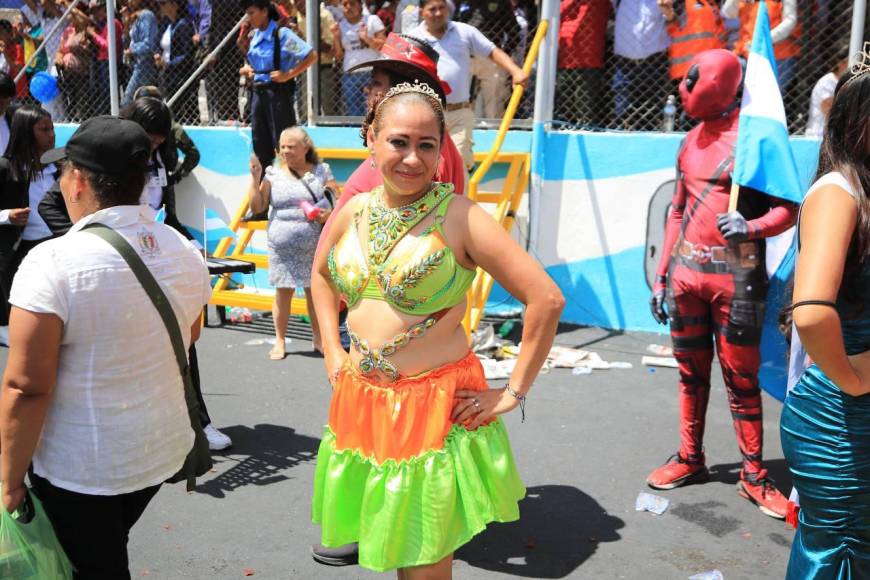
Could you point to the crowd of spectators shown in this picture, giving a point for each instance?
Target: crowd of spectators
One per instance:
(618, 61)
(162, 42)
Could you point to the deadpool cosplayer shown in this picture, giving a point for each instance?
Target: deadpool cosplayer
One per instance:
(713, 280)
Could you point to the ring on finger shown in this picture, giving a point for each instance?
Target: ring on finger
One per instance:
(476, 404)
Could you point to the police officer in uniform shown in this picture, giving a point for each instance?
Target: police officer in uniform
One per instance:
(275, 57)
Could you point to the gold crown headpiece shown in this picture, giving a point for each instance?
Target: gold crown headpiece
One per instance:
(415, 87)
(861, 66)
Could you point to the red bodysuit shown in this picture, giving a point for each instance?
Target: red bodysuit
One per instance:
(717, 289)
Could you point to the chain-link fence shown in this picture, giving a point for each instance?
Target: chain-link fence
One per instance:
(620, 61)
(165, 43)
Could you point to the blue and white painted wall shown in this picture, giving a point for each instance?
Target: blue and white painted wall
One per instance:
(593, 214)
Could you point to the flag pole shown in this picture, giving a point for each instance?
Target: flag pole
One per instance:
(732, 198)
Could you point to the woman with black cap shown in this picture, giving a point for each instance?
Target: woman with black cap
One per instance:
(275, 57)
(101, 421)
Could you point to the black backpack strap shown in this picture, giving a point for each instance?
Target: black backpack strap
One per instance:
(302, 181)
(276, 49)
(195, 461)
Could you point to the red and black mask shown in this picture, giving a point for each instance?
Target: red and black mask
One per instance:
(709, 89)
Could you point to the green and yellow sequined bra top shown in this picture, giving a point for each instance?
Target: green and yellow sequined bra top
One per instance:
(422, 278)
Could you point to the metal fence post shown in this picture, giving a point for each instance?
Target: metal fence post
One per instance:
(113, 58)
(312, 75)
(545, 83)
(856, 41)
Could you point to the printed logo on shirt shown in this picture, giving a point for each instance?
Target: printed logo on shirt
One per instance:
(292, 46)
(148, 244)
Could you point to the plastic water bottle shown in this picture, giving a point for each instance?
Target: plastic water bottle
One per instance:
(669, 113)
(234, 315)
(246, 315)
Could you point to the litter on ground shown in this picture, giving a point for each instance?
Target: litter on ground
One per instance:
(660, 361)
(647, 502)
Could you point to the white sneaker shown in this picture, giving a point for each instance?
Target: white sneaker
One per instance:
(217, 441)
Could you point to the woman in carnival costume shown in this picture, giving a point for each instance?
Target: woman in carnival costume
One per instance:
(414, 460)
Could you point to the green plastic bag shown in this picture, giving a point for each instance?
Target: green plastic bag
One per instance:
(29, 550)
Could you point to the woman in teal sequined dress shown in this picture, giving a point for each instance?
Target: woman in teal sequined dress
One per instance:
(825, 423)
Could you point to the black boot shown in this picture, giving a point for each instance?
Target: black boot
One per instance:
(346, 555)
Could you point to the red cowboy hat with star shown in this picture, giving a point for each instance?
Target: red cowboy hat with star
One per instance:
(411, 58)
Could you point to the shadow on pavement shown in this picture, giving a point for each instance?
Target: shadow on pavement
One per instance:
(777, 470)
(261, 455)
(559, 528)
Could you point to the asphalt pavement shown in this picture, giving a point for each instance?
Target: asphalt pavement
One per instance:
(584, 451)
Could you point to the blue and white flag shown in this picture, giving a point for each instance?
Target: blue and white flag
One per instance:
(214, 230)
(764, 159)
(765, 162)
(215, 227)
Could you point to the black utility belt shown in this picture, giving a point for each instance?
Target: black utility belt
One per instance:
(719, 259)
(270, 85)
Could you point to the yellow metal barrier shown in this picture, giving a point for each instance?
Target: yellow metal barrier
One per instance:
(508, 202)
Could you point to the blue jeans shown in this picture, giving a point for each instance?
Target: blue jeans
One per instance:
(352, 85)
(143, 73)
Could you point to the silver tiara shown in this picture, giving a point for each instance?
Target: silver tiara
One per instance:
(862, 61)
(416, 87)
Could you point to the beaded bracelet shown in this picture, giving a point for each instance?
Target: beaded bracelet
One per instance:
(520, 398)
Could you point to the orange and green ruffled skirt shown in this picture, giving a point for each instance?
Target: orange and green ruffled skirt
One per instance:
(397, 476)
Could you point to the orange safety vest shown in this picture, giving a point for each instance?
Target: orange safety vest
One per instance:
(786, 48)
(703, 31)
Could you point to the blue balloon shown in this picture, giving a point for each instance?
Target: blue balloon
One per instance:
(43, 87)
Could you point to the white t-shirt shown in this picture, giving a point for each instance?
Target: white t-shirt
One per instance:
(823, 89)
(36, 229)
(152, 194)
(407, 15)
(355, 51)
(639, 29)
(166, 43)
(118, 420)
(460, 42)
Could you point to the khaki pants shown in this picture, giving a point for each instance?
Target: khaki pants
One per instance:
(493, 92)
(460, 124)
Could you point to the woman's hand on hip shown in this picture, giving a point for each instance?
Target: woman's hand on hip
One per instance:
(473, 408)
(12, 496)
(334, 360)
